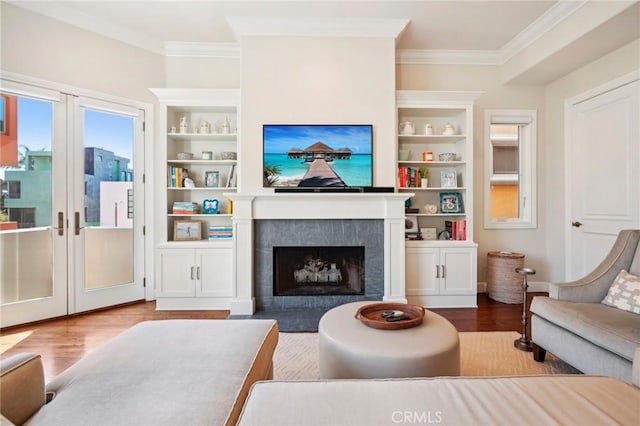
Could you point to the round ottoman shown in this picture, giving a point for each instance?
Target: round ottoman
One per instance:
(351, 350)
(504, 284)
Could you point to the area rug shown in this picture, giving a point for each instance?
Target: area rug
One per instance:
(481, 353)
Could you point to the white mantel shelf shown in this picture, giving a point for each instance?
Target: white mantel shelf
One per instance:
(248, 207)
(318, 205)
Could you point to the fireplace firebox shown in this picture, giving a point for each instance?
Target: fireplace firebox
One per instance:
(316, 271)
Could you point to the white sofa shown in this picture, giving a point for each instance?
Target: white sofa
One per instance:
(523, 400)
(172, 372)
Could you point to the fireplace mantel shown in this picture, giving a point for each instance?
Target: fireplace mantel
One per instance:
(308, 205)
(248, 207)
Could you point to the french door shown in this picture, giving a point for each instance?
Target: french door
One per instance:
(71, 231)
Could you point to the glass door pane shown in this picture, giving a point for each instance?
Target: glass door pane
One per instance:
(108, 199)
(32, 251)
(107, 204)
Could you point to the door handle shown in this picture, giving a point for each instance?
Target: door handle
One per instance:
(576, 224)
(444, 272)
(192, 273)
(60, 227)
(437, 271)
(77, 223)
(198, 272)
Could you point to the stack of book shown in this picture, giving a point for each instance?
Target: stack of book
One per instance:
(219, 232)
(457, 229)
(175, 176)
(408, 177)
(184, 207)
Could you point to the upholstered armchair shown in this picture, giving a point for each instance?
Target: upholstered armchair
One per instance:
(573, 324)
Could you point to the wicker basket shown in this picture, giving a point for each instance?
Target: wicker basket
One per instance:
(504, 284)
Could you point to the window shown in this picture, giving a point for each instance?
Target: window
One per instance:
(14, 189)
(510, 175)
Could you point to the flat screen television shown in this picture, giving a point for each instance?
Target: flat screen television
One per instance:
(317, 155)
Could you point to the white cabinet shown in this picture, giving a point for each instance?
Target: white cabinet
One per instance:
(441, 276)
(194, 278)
(198, 140)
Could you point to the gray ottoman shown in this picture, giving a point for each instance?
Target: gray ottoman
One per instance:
(352, 350)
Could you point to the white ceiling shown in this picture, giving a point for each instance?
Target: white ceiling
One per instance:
(445, 31)
(448, 25)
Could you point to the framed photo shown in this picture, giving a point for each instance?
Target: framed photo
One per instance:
(450, 202)
(411, 224)
(448, 179)
(210, 206)
(212, 178)
(187, 230)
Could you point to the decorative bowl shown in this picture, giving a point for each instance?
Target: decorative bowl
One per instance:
(447, 156)
(228, 155)
(185, 156)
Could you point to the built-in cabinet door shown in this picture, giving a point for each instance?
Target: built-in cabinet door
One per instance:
(213, 273)
(421, 269)
(456, 266)
(176, 273)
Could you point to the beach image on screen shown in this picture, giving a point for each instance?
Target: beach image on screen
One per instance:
(317, 155)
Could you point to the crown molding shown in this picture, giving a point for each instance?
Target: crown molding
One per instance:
(320, 27)
(448, 57)
(547, 21)
(82, 20)
(202, 50)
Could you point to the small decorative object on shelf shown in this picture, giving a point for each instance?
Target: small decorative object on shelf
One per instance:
(429, 233)
(431, 208)
(212, 178)
(205, 127)
(448, 179)
(523, 343)
(448, 130)
(407, 128)
(183, 125)
(187, 230)
(450, 202)
(447, 156)
(210, 206)
(207, 155)
(428, 129)
(226, 127)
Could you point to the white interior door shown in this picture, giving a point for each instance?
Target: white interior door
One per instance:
(603, 182)
(107, 203)
(33, 226)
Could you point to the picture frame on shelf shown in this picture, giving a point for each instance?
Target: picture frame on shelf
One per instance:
(210, 206)
(450, 202)
(187, 230)
(212, 179)
(411, 224)
(448, 179)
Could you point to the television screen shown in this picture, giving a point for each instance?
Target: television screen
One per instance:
(317, 155)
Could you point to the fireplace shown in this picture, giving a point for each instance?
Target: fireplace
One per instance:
(317, 271)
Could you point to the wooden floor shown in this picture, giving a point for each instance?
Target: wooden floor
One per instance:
(63, 341)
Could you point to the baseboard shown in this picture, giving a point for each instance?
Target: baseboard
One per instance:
(534, 287)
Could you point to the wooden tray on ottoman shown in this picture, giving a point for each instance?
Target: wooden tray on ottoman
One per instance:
(371, 315)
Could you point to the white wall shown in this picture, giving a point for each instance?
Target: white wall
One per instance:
(37, 46)
(317, 80)
(616, 64)
(185, 72)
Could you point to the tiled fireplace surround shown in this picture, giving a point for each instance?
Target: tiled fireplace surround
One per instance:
(261, 221)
